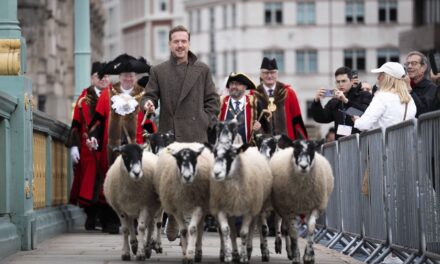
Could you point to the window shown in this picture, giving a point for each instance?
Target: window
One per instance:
(234, 18)
(273, 13)
(190, 20)
(163, 5)
(199, 23)
(355, 59)
(387, 11)
(385, 55)
(354, 11)
(212, 18)
(306, 13)
(225, 63)
(213, 62)
(225, 16)
(309, 114)
(278, 55)
(162, 37)
(306, 61)
(234, 60)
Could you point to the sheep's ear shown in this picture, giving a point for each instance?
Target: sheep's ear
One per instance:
(208, 146)
(258, 139)
(117, 149)
(198, 152)
(243, 148)
(284, 141)
(296, 143)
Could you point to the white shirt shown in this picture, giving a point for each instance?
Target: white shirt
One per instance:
(128, 91)
(97, 91)
(242, 102)
(269, 88)
(385, 110)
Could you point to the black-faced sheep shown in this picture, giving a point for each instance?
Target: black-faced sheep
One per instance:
(184, 191)
(302, 184)
(240, 186)
(128, 189)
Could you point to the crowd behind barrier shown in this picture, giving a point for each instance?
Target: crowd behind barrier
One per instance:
(386, 197)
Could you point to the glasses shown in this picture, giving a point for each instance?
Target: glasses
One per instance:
(412, 63)
(269, 72)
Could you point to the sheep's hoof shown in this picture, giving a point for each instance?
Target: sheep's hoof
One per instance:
(235, 256)
(126, 257)
(244, 259)
(148, 253)
(198, 255)
(296, 260)
(222, 255)
(134, 246)
(278, 245)
(140, 257)
(249, 252)
(157, 247)
(187, 261)
(265, 255)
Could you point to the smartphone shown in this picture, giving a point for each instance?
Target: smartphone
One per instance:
(329, 93)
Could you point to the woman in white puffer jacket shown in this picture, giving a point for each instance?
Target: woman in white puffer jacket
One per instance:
(392, 103)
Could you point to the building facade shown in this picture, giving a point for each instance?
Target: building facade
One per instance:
(48, 27)
(140, 27)
(309, 39)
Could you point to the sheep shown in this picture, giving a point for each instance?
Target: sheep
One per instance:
(183, 184)
(128, 188)
(302, 184)
(240, 186)
(268, 145)
(155, 143)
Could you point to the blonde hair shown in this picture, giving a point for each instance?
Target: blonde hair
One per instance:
(397, 86)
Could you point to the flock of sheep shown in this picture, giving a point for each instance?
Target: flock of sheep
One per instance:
(227, 180)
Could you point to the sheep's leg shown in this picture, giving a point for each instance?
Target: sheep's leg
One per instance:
(250, 237)
(293, 235)
(278, 236)
(244, 233)
(264, 233)
(233, 236)
(196, 217)
(226, 232)
(222, 245)
(183, 232)
(140, 255)
(309, 254)
(200, 230)
(149, 237)
(156, 242)
(133, 239)
(124, 230)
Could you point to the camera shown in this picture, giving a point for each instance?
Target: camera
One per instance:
(329, 93)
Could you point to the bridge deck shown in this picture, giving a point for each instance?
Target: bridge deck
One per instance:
(98, 248)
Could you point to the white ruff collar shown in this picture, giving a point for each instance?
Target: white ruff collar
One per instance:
(123, 104)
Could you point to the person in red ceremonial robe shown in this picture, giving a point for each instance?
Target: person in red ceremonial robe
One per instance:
(87, 172)
(240, 106)
(118, 118)
(280, 99)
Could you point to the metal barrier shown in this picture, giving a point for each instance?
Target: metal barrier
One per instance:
(59, 173)
(333, 212)
(429, 181)
(371, 146)
(39, 169)
(402, 186)
(350, 183)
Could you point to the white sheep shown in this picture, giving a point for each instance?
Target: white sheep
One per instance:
(302, 184)
(241, 186)
(183, 184)
(128, 188)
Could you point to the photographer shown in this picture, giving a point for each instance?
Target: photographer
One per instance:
(345, 96)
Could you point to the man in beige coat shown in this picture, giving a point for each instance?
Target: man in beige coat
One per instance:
(189, 103)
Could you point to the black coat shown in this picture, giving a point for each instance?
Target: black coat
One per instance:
(424, 94)
(332, 110)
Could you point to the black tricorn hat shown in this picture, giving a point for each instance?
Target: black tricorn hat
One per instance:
(241, 78)
(125, 63)
(96, 67)
(269, 64)
(143, 81)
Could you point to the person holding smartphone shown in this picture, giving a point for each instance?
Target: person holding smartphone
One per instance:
(345, 96)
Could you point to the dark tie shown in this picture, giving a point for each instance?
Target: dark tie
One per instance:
(271, 92)
(237, 106)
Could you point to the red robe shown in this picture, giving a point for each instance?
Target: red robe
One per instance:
(289, 121)
(249, 113)
(85, 172)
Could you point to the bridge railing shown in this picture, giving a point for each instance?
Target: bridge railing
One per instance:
(388, 183)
